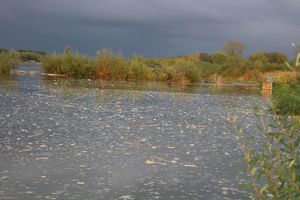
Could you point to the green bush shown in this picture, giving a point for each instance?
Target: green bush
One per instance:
(286, 100)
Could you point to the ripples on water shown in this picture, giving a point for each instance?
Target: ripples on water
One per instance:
(80, 139)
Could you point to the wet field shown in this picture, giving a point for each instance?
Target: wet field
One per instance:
(81, 139)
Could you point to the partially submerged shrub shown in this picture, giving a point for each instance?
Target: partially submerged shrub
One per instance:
(69, 64)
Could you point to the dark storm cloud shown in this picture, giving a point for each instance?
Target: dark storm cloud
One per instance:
(149, 27)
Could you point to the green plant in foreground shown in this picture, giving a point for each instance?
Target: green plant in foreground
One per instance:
(286, 100)
(274, 163)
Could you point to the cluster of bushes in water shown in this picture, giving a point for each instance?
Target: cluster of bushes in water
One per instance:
(107, 65)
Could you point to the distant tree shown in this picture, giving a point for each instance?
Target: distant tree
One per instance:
(276, 57)
(234, 48)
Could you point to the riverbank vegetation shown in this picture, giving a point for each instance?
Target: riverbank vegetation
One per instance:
(286, 99)
(227, 65)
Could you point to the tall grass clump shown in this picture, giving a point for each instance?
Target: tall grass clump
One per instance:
(110, 66)
(8, 61)
(70, 64)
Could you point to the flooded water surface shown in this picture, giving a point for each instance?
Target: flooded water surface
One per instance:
(82, 139)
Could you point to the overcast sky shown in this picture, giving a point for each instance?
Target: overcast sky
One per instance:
(149, 27)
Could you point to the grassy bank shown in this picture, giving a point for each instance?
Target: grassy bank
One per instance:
(217, 67)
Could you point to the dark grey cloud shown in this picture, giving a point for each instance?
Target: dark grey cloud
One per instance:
(149, 27)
